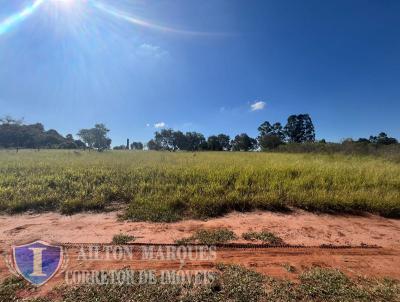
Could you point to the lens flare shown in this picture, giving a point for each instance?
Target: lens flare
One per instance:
(13, 20)
(143, 23)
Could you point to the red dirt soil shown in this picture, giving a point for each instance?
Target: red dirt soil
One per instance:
(295, 228)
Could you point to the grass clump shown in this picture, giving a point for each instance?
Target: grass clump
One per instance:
(209, 237)
(264, 236)
(329, 285)
(122, 239)
(9, 288)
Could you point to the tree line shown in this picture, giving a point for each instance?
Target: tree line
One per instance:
(298, 131)
(15, 134)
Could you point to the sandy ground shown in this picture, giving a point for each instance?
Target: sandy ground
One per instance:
(298, 228)
(295, 228)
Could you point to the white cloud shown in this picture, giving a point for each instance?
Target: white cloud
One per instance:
(149, 50)
(159, 125)
(147, 125)
(258, 105)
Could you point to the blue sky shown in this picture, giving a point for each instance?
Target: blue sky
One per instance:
(201, 65)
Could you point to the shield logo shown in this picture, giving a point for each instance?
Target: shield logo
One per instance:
(38, 261)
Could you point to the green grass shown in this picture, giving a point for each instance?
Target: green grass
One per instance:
(164, 186)
(264, 236)
(209, 237)
(122, 239)
(10, 287)
(231, 283)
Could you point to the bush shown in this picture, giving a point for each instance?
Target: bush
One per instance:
(210, 237)
(122, 239)
(264, 236)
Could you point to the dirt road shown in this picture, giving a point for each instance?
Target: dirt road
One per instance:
(299, 228)
(295, 228)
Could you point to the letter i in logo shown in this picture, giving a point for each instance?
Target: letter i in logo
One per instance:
(38, 261)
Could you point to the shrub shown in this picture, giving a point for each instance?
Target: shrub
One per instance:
(122, 239)
(264, 236)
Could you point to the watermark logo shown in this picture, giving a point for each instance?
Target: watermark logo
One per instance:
(37, 262)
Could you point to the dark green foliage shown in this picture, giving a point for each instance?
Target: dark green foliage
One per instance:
(165, 140)
(120, 147)
(170, 140)
(137, 146)
(219, 143)
(96, 138)
(195, 141)
(15, 134)
(243, 142)
(269, 142)
(300, 129)
(153, 145)
(276, 130)
(383, 139)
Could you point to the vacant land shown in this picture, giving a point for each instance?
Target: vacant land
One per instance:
(165, 186)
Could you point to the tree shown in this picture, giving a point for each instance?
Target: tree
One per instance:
(269, 142)
(152, 145)
(8, 120)
(218, 143)
(195, 141)
(52, 139)
(96, 137)
(224, 141)
(87, 137)
(121, 147)
(270, 136)
(170, 140)
(180, 140)
(300, 129)
(15, 134)
(213, 143)
(165, 140)
(363, 140)
(243, 142)
(272, 130)
(383, 139)
(80, 144)
(137, 146)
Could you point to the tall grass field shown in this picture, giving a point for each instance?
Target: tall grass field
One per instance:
(167, 186)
